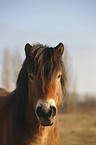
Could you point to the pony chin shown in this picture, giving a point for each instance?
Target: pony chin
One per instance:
(47, 124)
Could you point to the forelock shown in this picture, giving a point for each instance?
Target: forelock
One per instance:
(44, 62)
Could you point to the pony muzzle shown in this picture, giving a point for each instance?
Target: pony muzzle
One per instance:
(46, 112)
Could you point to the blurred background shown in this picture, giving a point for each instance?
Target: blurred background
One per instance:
(72, 22)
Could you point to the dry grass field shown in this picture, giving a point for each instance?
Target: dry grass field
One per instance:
(77, 129)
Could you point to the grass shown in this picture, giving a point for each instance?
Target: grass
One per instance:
(77, 129)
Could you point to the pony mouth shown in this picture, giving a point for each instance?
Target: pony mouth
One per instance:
(46, 123)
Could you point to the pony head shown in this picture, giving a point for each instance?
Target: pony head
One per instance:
(46, 80)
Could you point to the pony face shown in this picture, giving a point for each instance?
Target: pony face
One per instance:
(45, 81)
(45, 103)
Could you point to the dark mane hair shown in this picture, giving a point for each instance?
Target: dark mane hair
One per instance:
(42, 62)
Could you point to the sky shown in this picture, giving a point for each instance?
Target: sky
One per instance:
(72, 22)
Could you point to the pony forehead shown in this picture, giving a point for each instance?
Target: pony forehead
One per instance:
(41, 50)
(44, 59)
(45, 62)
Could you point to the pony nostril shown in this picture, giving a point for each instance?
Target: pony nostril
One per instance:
(52, 111)
(39, 111)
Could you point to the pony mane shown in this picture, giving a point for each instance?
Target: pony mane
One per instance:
(42, 63)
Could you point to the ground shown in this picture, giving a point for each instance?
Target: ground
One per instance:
(77, 128)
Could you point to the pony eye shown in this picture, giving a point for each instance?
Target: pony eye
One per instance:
(59, 76)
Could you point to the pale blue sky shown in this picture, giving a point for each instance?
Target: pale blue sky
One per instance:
(72, 22)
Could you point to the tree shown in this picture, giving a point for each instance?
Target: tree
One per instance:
(68, 67)
(16, 63)
(71, 99)
(6, 69)
(10, 68)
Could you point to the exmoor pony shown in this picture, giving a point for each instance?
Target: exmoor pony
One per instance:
(28, 115)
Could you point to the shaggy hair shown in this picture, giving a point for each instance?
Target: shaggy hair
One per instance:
(42, 61)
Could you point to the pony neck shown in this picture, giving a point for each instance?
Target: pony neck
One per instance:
(22, 83)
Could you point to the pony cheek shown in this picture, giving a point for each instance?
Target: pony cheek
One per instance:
(34, 99)
(32, 96)
(59, 96)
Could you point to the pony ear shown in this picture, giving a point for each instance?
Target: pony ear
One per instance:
(28, 49)
(60, 48)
